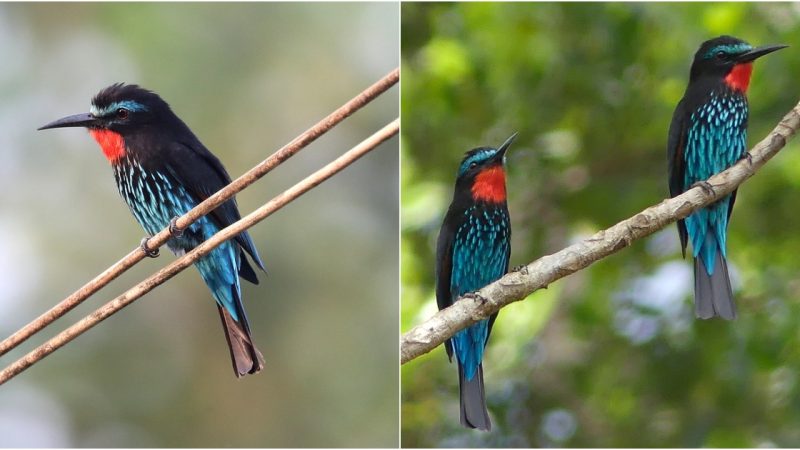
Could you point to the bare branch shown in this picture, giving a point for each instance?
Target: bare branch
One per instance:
(248, 178)
(198, 252)
(515, 286)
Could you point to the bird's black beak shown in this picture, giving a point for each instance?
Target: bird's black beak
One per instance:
(502, 149)
(758, 52)
(77, 120)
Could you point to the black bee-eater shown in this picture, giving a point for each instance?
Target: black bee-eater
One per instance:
(472, 251)
(708, 134)
(162, 171)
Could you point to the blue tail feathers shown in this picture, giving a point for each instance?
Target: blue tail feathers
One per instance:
(707, 229)
(469, 344)
(220, 271)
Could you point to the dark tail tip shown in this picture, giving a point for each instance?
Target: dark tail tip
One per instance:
(713, 296)
(245, 356)
(473, 401)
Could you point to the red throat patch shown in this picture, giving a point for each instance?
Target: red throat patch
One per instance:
(739, 77)
(490, 185)
(111, 143)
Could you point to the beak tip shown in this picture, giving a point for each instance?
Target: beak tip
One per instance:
(508, 142)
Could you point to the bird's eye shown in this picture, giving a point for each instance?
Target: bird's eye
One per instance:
(720, 55)
(473, 165)
(122, 113)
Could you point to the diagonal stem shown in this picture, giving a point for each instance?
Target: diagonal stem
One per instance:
(517, 285)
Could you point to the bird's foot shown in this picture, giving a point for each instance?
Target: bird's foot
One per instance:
(147, 251)
(705, 186)
(174, 229)
(749, 157)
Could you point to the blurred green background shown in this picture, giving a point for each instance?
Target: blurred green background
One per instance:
(247, 78)
(610, 356)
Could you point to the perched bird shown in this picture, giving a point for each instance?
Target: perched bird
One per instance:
(162, 171)
(707, 135)
(472, 251)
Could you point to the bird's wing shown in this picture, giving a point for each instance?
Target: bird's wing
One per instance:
(731, 202)
(202, 174)
(676, 161)
(444, 271)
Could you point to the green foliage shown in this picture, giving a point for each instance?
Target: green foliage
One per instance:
(611, 356)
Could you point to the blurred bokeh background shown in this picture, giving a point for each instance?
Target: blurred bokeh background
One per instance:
(611, 356)
(247, 78)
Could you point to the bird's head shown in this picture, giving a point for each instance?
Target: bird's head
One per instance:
(116, 113)
(729, 59)
(482, 172)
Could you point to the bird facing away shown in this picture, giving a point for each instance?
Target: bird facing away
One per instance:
(472, 251)
(707, 135)
(162, 171)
